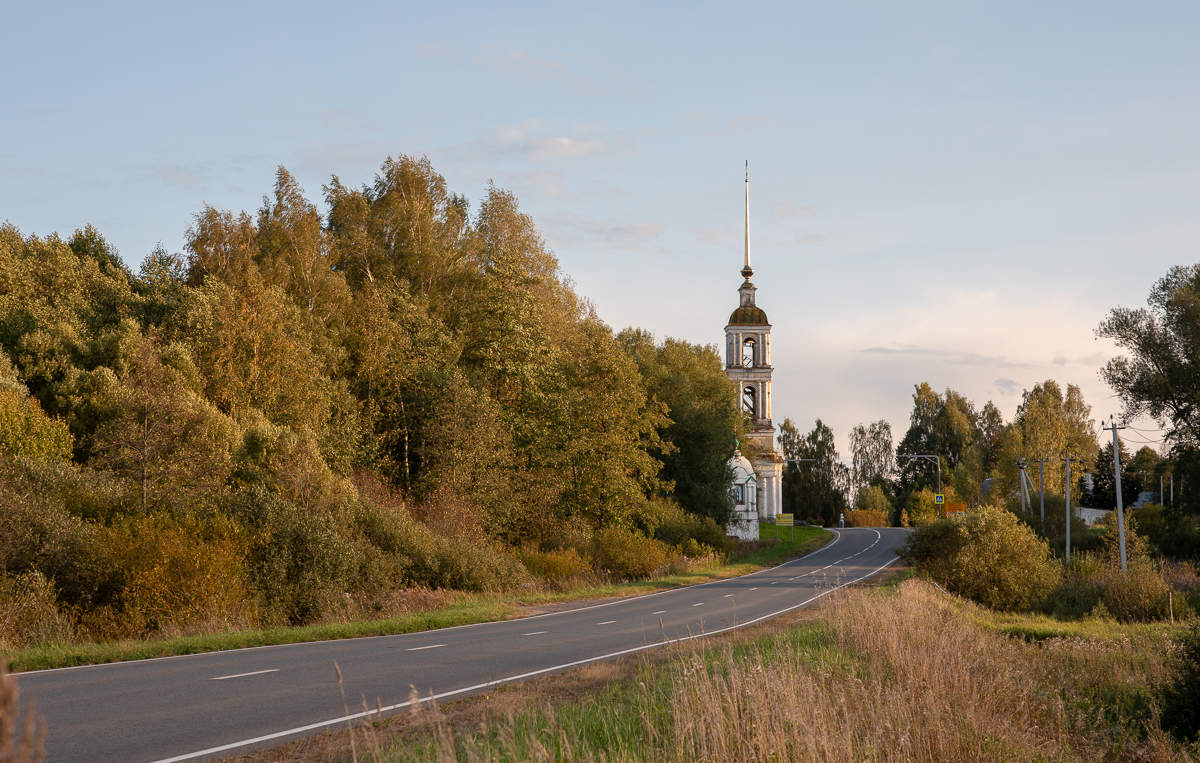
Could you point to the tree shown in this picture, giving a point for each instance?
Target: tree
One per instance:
(1048, 424)
(871, 456)
(1160, 377)
(702, 407)
(162, 435)
(942, 425)
(815, 482)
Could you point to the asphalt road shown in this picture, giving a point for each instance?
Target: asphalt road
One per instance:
(205, 706)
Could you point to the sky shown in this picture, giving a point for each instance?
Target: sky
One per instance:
(953, 192)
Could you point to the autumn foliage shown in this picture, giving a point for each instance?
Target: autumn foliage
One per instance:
(312, 409)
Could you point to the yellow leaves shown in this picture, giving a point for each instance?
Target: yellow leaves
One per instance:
(26, 431)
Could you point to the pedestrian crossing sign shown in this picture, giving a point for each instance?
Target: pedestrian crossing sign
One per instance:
(939, 498)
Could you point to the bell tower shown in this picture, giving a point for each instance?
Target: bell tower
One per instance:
(748, 365)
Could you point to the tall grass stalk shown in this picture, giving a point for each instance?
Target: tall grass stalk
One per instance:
(905, 676)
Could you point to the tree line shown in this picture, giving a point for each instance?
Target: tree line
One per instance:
(310, 407)
(1157, 376)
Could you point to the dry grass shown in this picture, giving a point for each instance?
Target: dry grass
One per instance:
(910, 675)
(21, 740)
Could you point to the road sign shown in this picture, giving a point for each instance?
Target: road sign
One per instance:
(784, 520)
(955, 508)
(939, 498)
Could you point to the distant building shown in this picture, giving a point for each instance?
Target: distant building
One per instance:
(744, 523)
(748, 365)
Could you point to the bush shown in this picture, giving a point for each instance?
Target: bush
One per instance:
(874, 498)
(412, 554)
(29, 613)
(866, 518)
(299, 561)
(1139, 595)
(988, 556)
(556, 565)
(182, 575)
(626, 554)
(666, 521)
(1079, 592)
(1181, 695)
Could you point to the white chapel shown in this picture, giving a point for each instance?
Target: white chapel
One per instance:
(758, 482)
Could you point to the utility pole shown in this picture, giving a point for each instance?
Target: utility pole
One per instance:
(1172, 486)
(1160, 493)
(1068, 460)
(1021, 484)
(1120, 501)
(1042, 489)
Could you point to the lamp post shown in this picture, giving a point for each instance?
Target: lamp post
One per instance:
(937, 461)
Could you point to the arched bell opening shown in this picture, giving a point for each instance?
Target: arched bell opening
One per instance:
(750, 401)
(749, 357)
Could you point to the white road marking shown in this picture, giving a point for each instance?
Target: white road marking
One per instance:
(659, 612)
(243, 675)
(755, 588)
(509, 679)
(535, 633)
(727, 596)
(607, 622)
(27, 675)
(419, 648)
(698, 604)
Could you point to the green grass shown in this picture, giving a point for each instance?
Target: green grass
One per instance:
(469, 608)
(1106, 688)
(622, 719)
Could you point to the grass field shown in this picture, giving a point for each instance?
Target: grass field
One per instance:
(463, 608)
(900, 673)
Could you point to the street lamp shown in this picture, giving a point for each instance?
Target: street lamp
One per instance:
(937, 461)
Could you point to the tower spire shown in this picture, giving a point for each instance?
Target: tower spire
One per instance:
(747, 271)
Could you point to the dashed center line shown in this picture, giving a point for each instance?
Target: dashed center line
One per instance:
(419, 648)
(535, 633)
(243, 675)
(755, 588)
(659, 612)
(698, 604)
(607, 622)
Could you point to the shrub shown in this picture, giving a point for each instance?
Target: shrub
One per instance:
(182, 575)
(1181, 695)
(988, 556)
(556, 565)
(666, 521)
(1079, 592)
(1139, 595)
(299, 561)
(874, 498)
(412, 554)
(866, 518)
(626, 554)
(37, 534)
(29, 612)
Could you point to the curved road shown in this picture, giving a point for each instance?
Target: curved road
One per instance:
(207, 705)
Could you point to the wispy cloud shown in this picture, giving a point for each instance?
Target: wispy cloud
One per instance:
(956, 357)
(524, 140)
(1006, 386)
(1095, 359)
(591, 232)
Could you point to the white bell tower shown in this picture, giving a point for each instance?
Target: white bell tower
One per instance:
(748, 365)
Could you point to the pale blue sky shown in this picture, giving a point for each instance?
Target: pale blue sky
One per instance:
(949, 192)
